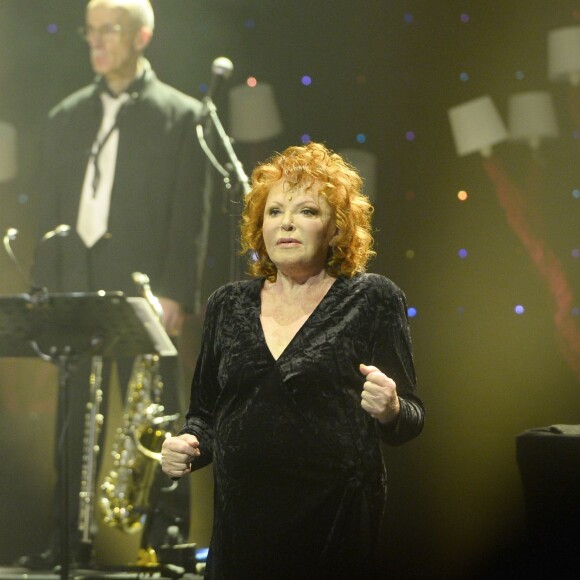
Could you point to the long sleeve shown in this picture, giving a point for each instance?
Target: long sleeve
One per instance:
(393, 354)
(205, 389)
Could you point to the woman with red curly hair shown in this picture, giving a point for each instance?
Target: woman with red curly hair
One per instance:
(303, 370)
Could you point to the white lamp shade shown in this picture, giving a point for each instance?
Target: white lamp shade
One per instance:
(531, 116)
(254, 116)
(8, 152)
(476, 126)
(366, 165)
(564, 54)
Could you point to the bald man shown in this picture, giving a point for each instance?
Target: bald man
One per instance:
(122, 166)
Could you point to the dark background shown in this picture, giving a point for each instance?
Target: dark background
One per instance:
(380, 69)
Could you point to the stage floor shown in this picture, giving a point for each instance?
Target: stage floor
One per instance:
(12, 573)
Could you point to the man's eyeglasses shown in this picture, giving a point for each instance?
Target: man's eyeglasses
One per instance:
(106, 31)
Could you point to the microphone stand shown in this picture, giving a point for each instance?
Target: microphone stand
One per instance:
(210, 110)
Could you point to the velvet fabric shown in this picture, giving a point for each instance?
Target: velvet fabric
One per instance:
(300, 483)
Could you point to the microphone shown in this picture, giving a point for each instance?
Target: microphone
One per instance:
(221, 70)
(60, 231)
(10, 235)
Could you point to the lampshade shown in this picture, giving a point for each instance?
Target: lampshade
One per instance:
(564, 54)
(531, 116)
(8, 155)
(476, 126)
(254, 115)
(366, 165)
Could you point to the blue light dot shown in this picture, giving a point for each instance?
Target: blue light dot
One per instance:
(23, 198)
(361, 138)
(576, 253)
(576, 194)
(306, 81)
(462, 253)
(411, 312)
(52, 28)
(575, 311)
(408, 18)
(305, 138)
(410, 136)
(250, 23)
(463, 77)
(464, 18)
(520, 75)
(203, 88)
(519, 309)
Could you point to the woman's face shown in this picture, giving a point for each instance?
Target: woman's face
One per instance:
(298, 228)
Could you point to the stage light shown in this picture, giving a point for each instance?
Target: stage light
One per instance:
(476, 126)
(532, 117)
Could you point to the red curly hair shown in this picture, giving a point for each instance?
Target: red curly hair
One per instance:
(341, 186)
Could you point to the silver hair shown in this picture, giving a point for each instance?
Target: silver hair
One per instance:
(140, 11)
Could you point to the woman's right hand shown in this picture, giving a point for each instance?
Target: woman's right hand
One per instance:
(178, 453)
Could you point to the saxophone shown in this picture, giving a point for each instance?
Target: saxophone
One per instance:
(125, 491)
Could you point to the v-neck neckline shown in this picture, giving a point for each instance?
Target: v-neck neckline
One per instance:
(310, 317)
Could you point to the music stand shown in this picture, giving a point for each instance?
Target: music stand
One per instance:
(63, 327)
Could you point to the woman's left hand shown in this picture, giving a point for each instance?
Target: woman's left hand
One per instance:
(379, 396)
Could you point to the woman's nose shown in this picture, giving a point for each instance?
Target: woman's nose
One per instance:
(287, 223)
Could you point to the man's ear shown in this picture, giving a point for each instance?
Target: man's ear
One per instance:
(143, 38)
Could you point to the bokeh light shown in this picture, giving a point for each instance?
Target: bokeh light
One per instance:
(411, 312)
(306, 80)
(462, 253)
(251, 82)
(462, 195)
(519, 309)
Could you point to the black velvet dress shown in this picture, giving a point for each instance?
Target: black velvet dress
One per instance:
(300, 483)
